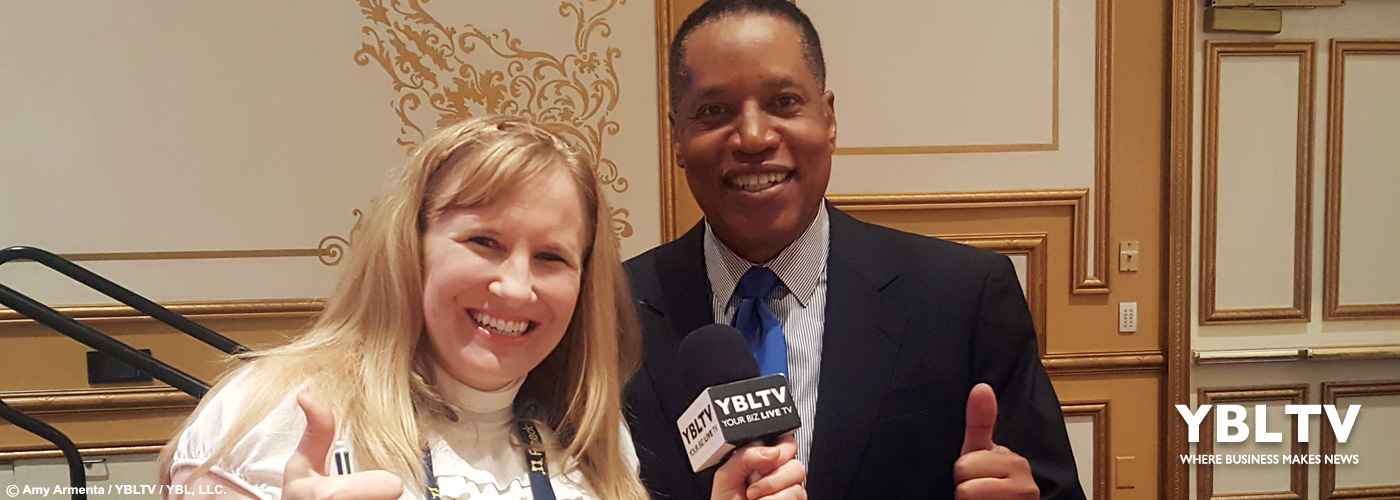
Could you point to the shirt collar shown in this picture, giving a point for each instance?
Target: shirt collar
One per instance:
(798, 266)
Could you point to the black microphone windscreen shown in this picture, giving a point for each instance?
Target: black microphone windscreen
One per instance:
(715, 355)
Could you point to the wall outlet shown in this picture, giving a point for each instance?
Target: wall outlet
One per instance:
(1127, 317)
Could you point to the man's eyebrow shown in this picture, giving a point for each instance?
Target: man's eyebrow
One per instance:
(779, 83)
(710, 93)
(706, 93)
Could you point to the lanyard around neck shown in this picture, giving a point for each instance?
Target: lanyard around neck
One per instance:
(534, 462)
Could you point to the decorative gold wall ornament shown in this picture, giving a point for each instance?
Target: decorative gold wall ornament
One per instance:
(429, 62)
(332, 248)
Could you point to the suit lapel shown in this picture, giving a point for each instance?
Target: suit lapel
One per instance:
(682, 306)
(861, 339)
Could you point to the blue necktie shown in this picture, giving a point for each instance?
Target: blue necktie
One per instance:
(757, 322)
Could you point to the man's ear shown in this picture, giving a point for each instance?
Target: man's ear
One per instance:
(675, 139)
(829, 99)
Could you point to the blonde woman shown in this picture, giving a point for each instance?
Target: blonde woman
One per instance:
(476, 347)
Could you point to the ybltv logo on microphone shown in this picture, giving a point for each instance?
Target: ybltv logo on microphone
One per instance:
(725, 416)
(1232, 425)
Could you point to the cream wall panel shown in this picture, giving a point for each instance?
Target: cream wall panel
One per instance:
(1257, 181)
(1255, 478)
(984, 76)
(1361, 19)
(1370, 209)
(1071, 165)
(1081, 441)
(1015, 46)
(1021, 263)
(152, 126)
(1374, 425)
(147, 126)
(1374, 439)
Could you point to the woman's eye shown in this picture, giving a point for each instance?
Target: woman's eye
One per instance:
(552, 257)
(484, 242)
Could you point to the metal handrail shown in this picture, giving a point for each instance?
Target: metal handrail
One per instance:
(121, 294)
(77, 475)
(52, 318)
(71, 328)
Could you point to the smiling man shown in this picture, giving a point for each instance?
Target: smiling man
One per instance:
(889, 340)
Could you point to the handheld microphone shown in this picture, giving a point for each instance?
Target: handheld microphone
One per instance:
(735, 405)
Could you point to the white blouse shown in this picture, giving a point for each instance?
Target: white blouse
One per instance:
(475, 457)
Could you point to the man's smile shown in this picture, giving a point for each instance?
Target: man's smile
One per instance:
(758, 181)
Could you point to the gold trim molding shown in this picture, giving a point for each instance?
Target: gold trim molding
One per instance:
(1351, 353)
(92, 451)
(1175, 479)
(1298, 473)
(94, 402)
(1103, 363)
(1081, 280)
(1030, 245)
(1098, 410)
(84, 401)
(1332, 226)
(331, 250)
(250, 309)
(1300, 310)
(1327, 473)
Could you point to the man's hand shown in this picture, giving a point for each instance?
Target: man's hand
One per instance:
(305, 477)
(780, 474)
(986, 470)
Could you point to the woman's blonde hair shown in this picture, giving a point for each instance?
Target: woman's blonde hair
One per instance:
(373, 322)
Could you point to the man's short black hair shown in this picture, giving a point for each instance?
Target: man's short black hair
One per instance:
(718, 9)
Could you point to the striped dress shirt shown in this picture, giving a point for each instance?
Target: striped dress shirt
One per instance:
(799, 303)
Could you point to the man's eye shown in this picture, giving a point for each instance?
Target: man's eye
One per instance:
(710, 111)
(787, 101)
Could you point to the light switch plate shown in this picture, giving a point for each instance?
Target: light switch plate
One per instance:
(1127, 317)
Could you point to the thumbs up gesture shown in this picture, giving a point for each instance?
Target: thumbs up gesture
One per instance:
(305, 477)
(986, 470)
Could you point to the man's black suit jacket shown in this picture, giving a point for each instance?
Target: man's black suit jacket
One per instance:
(912, 323)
